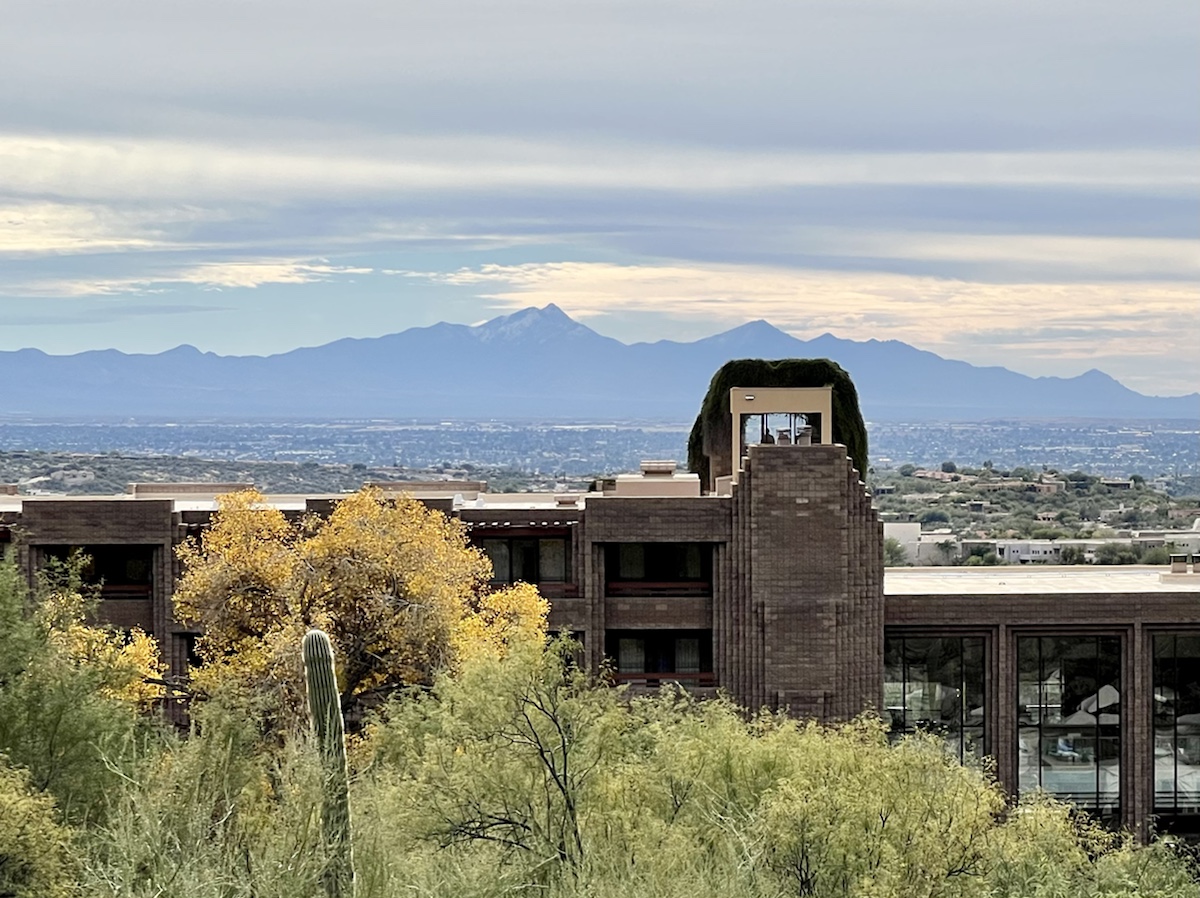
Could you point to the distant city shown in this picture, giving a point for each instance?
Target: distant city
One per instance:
(1166, 450)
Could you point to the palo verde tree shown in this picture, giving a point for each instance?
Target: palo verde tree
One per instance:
(397, 587)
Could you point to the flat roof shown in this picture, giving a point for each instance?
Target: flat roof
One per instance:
(1009, 579)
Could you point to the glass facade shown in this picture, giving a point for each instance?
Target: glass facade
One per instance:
(1069, 716)
(1177, 730)
(936, 685)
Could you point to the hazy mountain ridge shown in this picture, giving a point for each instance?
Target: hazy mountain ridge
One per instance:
(537, 363)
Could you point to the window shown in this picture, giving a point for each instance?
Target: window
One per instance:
(647, 655)
(528, 559)
(936, 685)
(121, 571)
(658, 568)
(1069, 713)
(1177, 731)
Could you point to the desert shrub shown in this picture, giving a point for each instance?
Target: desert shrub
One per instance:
(36, 853)
(224, 813)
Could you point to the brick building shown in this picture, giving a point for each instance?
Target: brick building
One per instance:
(768, 583)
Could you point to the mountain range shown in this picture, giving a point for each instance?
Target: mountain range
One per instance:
(537, 364)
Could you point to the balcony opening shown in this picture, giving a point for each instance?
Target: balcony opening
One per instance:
(653, 657)
(530, 559)
(658, 569)
(121, 572)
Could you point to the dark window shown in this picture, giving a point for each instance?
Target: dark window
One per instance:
(1069, 713)
(642, 656)
(936, 685)
(658, 568)
(122, 572)
(189, 647)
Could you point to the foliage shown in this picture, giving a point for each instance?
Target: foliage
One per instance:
(1156, 555)
(69, 691)
(894, 553)
(711, 434)
(396, 586)
(556, 785)
(1114, 553)
(518, 774)
(224, 813)
(36, 857)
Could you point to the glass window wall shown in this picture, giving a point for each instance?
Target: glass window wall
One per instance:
(1069, 713)
(936, 685)
(1177, 731)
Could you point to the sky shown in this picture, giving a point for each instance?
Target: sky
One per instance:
(1010, 183)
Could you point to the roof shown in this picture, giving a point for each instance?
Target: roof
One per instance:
(1007, 579)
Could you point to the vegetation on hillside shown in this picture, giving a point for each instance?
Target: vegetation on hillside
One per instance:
(986, 502)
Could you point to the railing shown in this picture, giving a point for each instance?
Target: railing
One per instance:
(618, 589)
(550, 589)
(559, 590)
(125, 591)
(654, 680)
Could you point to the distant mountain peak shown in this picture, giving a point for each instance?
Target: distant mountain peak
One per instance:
(760, 331)
(532, 323)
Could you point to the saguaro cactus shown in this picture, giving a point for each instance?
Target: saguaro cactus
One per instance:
(326, 712)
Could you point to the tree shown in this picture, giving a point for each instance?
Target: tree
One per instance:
(1116, 553)
(1071, 555)
(529, 774)
(907, 470)
(70, 692)
(397, 587)
(1155, 555)
(934, 516)
(894, 553)
(949, 467)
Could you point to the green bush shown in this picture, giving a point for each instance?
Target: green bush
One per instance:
(55, 720)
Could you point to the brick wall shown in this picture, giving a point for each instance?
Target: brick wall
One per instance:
(799, 601)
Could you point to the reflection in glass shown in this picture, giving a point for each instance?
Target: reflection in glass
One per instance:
(1177, 729)
(1069, 714)
(935, 684)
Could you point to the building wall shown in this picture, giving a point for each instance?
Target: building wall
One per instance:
(1004, 618)
(814, 551)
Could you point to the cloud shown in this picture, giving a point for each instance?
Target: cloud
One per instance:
(1049, 325)
(223, 275)
(121, 169)
(59, 228)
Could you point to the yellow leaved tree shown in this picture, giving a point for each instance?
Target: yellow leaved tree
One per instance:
(128, 666)
(398, 588)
